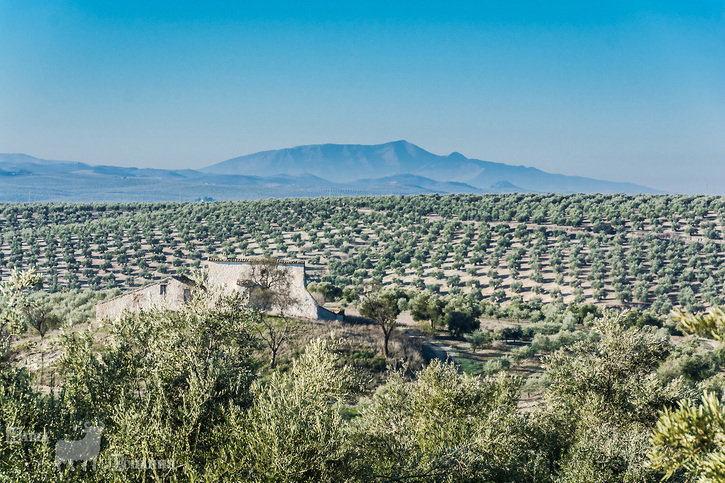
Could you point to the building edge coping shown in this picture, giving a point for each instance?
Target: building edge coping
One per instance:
(281, 261)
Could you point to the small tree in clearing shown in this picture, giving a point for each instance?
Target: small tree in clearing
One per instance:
(42, 319)
(382, 307)
(268, 290)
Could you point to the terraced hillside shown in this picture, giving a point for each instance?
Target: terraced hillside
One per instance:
(661, 251)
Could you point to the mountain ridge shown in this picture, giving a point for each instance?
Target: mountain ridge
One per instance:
(350, 162)
(398, 167)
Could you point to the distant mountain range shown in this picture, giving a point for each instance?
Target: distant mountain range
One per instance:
(316, 170)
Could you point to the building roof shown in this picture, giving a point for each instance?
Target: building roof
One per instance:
(183, 279)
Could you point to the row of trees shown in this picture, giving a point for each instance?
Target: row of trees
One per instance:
(566, 210)
(583, 247)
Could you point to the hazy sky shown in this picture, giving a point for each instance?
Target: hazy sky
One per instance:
(630, 91)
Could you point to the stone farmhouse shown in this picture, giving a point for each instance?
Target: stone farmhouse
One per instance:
(232, 275)
(170, 292)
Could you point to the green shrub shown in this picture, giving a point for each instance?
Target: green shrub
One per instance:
(480, 339)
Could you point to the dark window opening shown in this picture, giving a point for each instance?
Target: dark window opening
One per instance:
(163, 289)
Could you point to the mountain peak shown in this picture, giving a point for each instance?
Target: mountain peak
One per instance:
(334, 162)
(456, 156)
(348, 163)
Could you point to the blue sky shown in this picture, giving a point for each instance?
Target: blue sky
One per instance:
(627, 91)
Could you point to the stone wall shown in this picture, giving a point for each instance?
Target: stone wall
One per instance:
(224, 273)
(146, 297)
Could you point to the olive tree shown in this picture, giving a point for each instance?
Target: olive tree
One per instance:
(382, 307)
(426, 306)
(444, 426)
(604, 399)
(690, 439)
(294, 430)
(163, 382)
(269, 291)
(15, 307)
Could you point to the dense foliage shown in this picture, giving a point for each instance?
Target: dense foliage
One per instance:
(179, 399)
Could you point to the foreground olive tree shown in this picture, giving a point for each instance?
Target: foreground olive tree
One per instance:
(294, 430)
(711, 324)
(604, 400)
(21, 410)
(691, 438)
(444, 426)
(162, 384)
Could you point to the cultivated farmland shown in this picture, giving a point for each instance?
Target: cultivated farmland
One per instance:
(654, 251)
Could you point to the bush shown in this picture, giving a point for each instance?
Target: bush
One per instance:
(496, 365)
(639, 319)
(689, 361)
(545, 328)
(459, 323)
(715, 384)
(549, 343)
(480, 339)
(508, 333)
(524, 352)
(332, 293)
